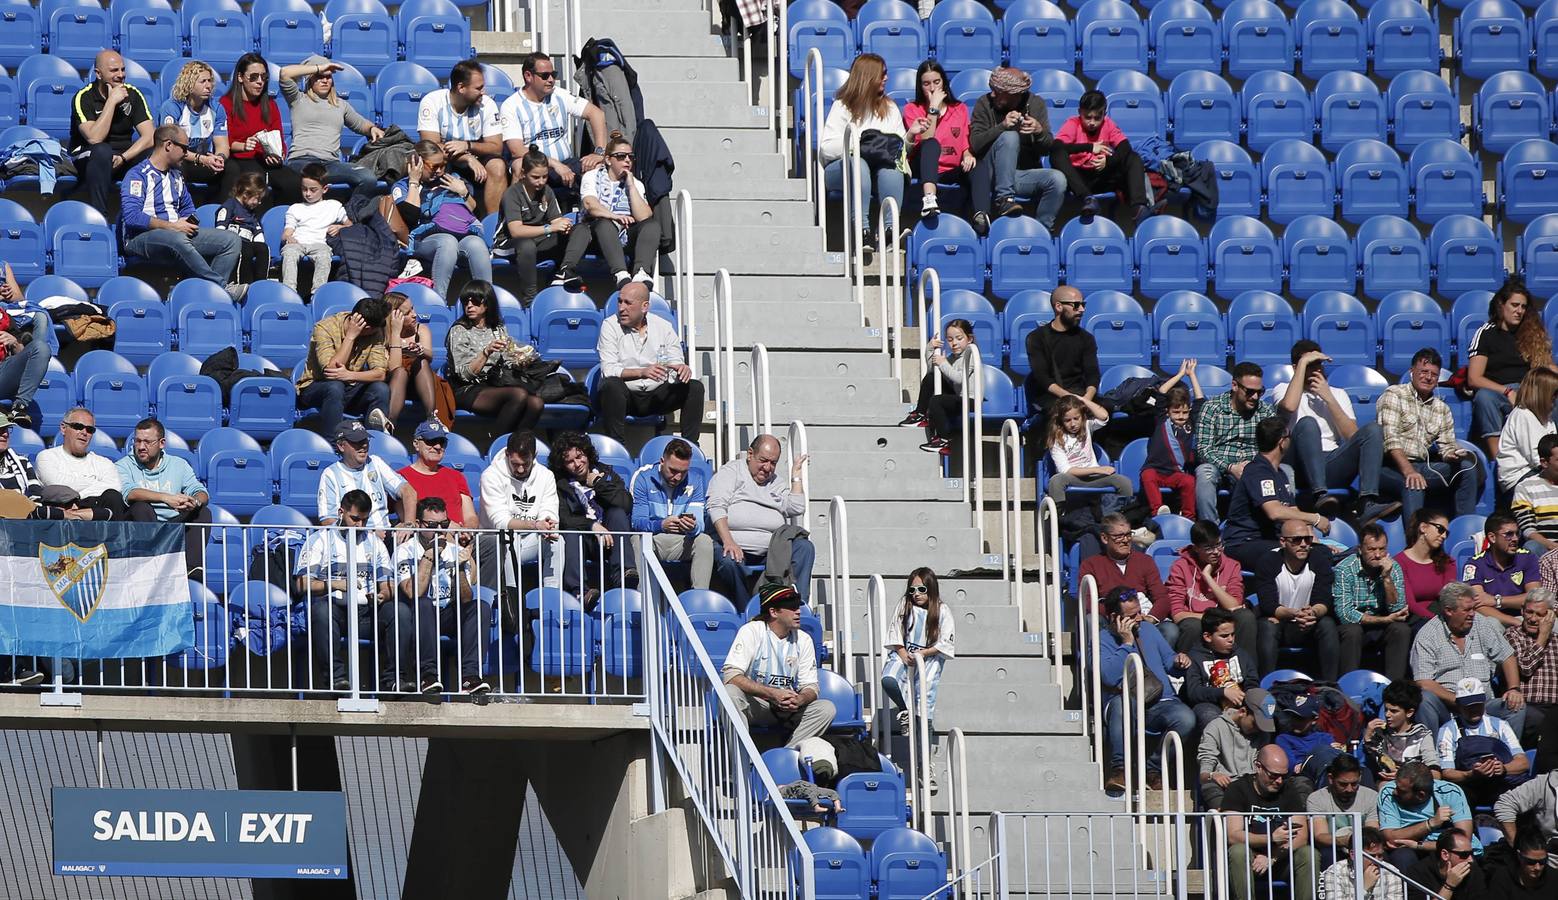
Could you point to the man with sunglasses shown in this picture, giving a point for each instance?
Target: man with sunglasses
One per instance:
(74, 464)
(1271, 839)
(1225, 438)
(1532, 877)
(543, 114)
(1062, 357)
(1448, 868)
(157, 216)
(1294, 587)
(434, 571)
(465, 123)
(429, 477)
(110, 128)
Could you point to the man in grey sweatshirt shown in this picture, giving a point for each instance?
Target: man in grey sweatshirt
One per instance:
(1009, 134)
(1229, 744)
(747, 505)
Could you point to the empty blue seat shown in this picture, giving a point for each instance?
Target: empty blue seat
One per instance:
(1022, 256)
(1276, 107)
(1338, 322)
(1421, 109)
(1038, 35)
(1024, 312)
(1096, 255)
(1447, 180)
(48, 84)
(1189, 326)
(873, 802)
(206, 327)
(1527, 180)
(1350, 108)
(1363, 385)
(1371, 180)
(968, 85)
(56, 395)
(1467, 255)
(292, 29)
(1061, 90)
(279, 330)
(823, 26)
(1185, 38)
(892, 30)
(1002, 398)
(901, 85)
(235, 469)
(1202, 106)
(434, 33)
(1491, 37)
(10, 99)
(1536, 253)
(76, 30)
(142, 330)
(1110, 36)
(949, 245)
(23, 243)
(40, 289)
(82, 247)
(298, 457)
(109, 385)
(566, 326)
(264, 406)
(21, 32)
(964, 35)
(714, 621)
(1544, 37)
(1264, 328)
(1120, 327)
(187, 402)
(1318, 256)
(1403, 37)
(363, 34)
(841, 870)
(398, 91)
(1468, 313)
(1393, 256)
(1135, 104)
(148, 31)
(219, 32)
(1170, 256)
(906, 863)
(961, 304)
(1257, 37)
(1511, 107)
(1297, 180)
(1245, 257)
(1408, 321)
(1329, 37)
(1238, 180)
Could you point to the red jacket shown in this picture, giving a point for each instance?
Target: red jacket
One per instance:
(1140, 573)
(241, 128)
(1184, 584)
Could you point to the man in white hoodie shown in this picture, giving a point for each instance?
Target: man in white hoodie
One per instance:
(748, 505)
(519, 496)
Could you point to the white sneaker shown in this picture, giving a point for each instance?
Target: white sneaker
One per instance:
(903, 721)
(643, 277)
(1143, 537)
(929, 207)
(1163, 510)
(377, 419)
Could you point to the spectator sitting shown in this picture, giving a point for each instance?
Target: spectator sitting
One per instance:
(937, 125)
(1425, 566)
(519, 496)
(251, 111)
(1457, 645)
(1532, 876)
(428, 477)
(1294, 586)
(1395, 740)
(1420, 442)
(110, 128)
(23, 363)
(1073, 461)
(240, 214)
(319, 117)
(615, 216)
(189, 106)
(668, 504)
(1262, 500)
(748, 506)
(1096, 157)
(863, 103)
(1309, 747)
(157, 216)
(348, 364)
(1535, 505)
(1536, 801)
(1379, 883)
(1343, 796)
(18, 479)
(357, 469)
(1330, 448)
(1529, 421)
(433, 571)
(1536, 655)
(1230, 742)
(1009, 135)
(1501, 353)
(310, 224)
(643, 370)
(416, 352)
(1203, 578)
(1122, 565)
(1370, 603)
(73, 464)
(1221, 674)
(1062, 357)
(936, 410)
(591, 499)
(533, 225)
(1445, 868)
(1272, 838)
(1415, 809)
(163, 488)
(920, 638)
(465, 126)
(437, 207)
(1480, 752)
(777, 686)
(1123, 632)
(1501, 575)
(540, 115)
(1225, 436)
(486, 363)
(1171, 455)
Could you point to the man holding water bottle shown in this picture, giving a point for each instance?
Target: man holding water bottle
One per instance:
(642, 368)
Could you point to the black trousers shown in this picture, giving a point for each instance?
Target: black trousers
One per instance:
(942, 409)
(528, 253)
(194, 538)
(925, 162)
(100, 179)
(286, 185)
(1320, 637)
(1122, 173)
(1395, 639)
(616, 401)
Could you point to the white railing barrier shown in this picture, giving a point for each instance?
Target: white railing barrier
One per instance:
(1171, 764)
(928, 308)
(876, 639)
(1010, 457)
(762, 406)
(972, 412)
(889, 285)
(797, 447)
(1050, 554)
(959, 831)
(686, 288)
(920, 770)
(574, 41)
(723, 361)
(839, 586)
(972, 884)
(1089, 678)
(855, 207)
(811, 95)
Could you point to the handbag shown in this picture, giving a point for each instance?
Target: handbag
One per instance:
(880, 150)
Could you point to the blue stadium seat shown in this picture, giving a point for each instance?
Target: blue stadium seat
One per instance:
(1201, 105)
(1511, 107)
(564, 635)
(961, 304)
(1024, 312)
(1338, 322)
(1467, 255)
(1061, 90)
(1544, 35)
(1264, 328)
(1185, 38)
(1536, 253)
(204, 327)
(906, 863)
(1257, 38)
(1421, 109)
(1363, 385)
(219, 32)
(21, 32)
(398, 90)
(1135, 103)
(1408, 321)
(298, 457)
(1318, 256)
(901, 85)
(388, 448)
(968, 85)
(949, 245)
(266, 291)
(1491, 36)
(1447, 180)
(611, 453)
(434, 33)
(279, 515)
(1245, 257)
(82, 246)
(565, 326)
(193, 291)
(1188, 325)
(1403, 37)
(47, 85)
(1330, 38)
(263, 407)
(1238, 181)
(1002, 398)
(1114, 376)
(22, 242)
(873, 803)
(1392, 255)
(1276, 107)
(187, 402)
(840, 865)
(499, 85)
(109, 385)
(56, 395)
(136, 76)
(1298, 181)
(1022, 256)
(10, 100)
(1120, 326)
(147, 31)
(1170, 256)
(847, 714)
(41, 289)
(823, 25)
(1350, 108)
(964, 35)
(1468, 313)
(1110, 36)
(292, 29)
(279, 330)
(76, 30)
(1371, 180)
(892, 30)
(142, 330)
(1096, 255)
(1528, 180)
(714, 621)
(236, 471)
(1038, 35)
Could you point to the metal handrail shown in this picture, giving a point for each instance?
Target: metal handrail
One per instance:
(1090, 679)
(724, 363)
(854, 213)
(959, 832)
(779, 77)
(876, 637)
(930, 319)
(815, 187)
(686, 298)
(919, 750)
(972, 411)
(1050, 552)
(890, 285)
(762, 408)
(839, 586)
(1011, 512)
(795, 448)
(575, 37)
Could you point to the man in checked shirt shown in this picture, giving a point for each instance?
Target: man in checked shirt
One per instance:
(1536, 655)
(1421, 454)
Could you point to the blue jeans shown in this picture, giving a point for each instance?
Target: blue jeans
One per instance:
(1047, 187)
(1168, 714)
(1208, 480)
(733, 574)
(1463, 495)
(1360, 456)
(335, 398)
(23, 371)
(1489, 409)
(885, 182)
(360, 180)
(212, 254)
(1433, 712)
(441, 251)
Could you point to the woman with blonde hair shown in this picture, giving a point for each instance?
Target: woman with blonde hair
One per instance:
(1528, 421)
(189, 106)
(863, 102)
(319, 116)
(1512, 343)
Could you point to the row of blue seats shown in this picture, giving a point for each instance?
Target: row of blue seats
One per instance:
(362, 32)
(902, 863)
(1177, 36)
(1240, 254)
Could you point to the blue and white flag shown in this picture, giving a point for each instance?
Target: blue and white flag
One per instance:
(94, 589)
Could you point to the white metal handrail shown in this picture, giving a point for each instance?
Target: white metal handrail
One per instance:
(723, 362)
(839, 585)
(919, 747)
(1133, 711)
(575, 36)
(686, 296)
(854, 213)
(797, 448)
(928, 308)
(890, 285)
(762, 407)
(1010, 457)
(959, 832)
(815, 185)
(876, 639)
(779, 77)
(1090, 680)
(1050, 553)
(971, 404)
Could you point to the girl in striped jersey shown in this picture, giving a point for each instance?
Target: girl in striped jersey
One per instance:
(919, 642)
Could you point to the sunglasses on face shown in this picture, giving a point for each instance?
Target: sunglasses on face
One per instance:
(918, 589)
(436, 445)
(548, 76)
(256, 76)
(1074, 304)
(1117, 535)
(1439, 528)
(81, 426)
(1529, 861)
(1463, 854)
(619, 156)
(180, 145)
(1252, 391)
(1299, 539)
(443, 523)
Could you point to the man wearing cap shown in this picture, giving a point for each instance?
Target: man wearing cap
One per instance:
(1272, 838)
(1230, 742)
(163, 488)
(749, 507)
(1415, 808)
(1459, 644)
(429, 477)
(72, 463)
(1009, 135)
(770, 673)
(1481, 753)
(668, 503)
(434, 572)
(359, 470)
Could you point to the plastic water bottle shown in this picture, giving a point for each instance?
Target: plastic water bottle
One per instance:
(666, 357)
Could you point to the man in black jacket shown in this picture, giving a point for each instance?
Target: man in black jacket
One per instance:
(1062, 357)
(1009, 134)
(1293, 584)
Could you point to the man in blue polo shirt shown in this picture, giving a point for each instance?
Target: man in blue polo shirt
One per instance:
(1415, 807)
(157, 216)
(1501, 575)
(163, 488)
(1263, 499)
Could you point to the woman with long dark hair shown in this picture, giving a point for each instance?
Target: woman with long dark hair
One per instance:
(1426, 567)
(591, 498)
(937, 124)
(484, 360)
(1502, 352)
(251, 112)
(919, 642)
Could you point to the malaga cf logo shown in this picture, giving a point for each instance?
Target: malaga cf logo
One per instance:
(76, 575)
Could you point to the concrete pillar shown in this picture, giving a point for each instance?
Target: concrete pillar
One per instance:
(468, 818)
(264, 763)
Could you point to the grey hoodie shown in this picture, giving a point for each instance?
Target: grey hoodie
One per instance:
(754, 511)
(1539, 794)
(1225, 749)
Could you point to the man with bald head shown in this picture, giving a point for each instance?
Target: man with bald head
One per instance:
(642, 368)
(751, 509)
(110, 128)
(1062, 357)
(1271, 838)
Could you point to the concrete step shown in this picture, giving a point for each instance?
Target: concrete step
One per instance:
(861, 468)
(825, 485)
(721, 212)
(668, 32)
(982, 630)
(675, 70)
(788, 324)
(896, 551)
(871, 514)
(740, 187)
(817, 288)
(997, 695)
(812, 363)
(859, 438)
(1030, 773)
(695, 137)
(744, 242)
